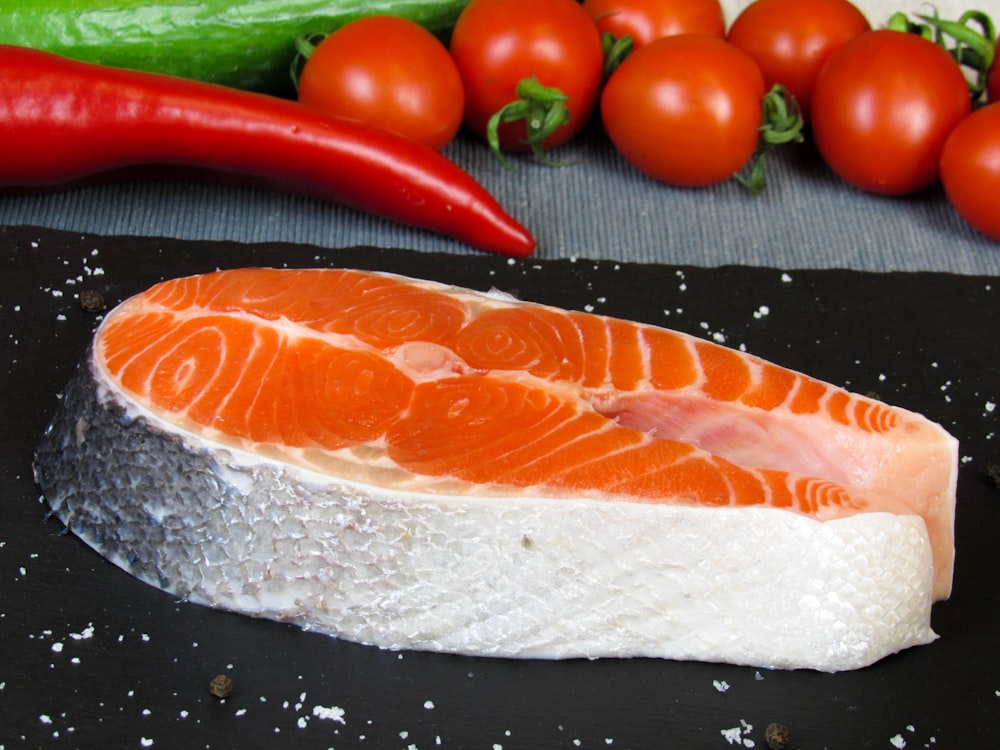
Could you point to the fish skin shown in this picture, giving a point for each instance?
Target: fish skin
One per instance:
(491, 576)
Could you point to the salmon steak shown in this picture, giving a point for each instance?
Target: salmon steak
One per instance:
(411, 465)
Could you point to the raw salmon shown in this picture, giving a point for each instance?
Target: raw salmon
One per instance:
(418, 466)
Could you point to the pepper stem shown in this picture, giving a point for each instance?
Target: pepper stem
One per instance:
(781, 122)
(543, 109)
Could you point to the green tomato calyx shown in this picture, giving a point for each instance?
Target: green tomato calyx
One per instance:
(543, 109)
(781, 122)
(970, 48)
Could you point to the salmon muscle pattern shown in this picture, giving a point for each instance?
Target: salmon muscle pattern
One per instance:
(412, 465)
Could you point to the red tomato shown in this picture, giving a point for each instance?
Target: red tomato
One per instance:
(646, 20)
(390, 72)
(791, 39)
(685, 109)
(498, 43)
(970, 169)
(882, 108)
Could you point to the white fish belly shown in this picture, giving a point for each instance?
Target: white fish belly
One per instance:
(510, 576)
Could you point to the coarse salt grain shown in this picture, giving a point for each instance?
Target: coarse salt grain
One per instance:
(331, 713)
(87, 632)
(733, 736)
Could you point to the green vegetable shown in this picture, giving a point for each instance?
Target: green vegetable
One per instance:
(248, 45)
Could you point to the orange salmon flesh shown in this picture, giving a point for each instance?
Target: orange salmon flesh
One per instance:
(420, 384)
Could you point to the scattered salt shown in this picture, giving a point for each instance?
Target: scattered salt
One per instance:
(733, 736)
(57, 647)
(897, 741)
(428, 705)
(739, 735)
(87, 632)
(331, 713)
(146, 742)
(990, 407)
(720, 685)
(786, 278)
(762, 311)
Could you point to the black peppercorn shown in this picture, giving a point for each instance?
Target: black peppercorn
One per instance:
(221, 686)
(92, 301)
(777, 736)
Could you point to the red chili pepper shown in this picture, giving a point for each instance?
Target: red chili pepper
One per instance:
(63, 122)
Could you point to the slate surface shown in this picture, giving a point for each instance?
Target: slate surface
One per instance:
(90, 657)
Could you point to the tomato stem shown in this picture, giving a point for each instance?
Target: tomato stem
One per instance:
(781, 122)
(971, 49)
(304, 47)
(543, 109)
(616, 49)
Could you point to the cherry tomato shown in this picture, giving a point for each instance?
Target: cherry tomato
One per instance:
(791, 39)
(646, 20)
(970, 169)
(883, 106)
(497, 44)
(685, 109)
(390, 72)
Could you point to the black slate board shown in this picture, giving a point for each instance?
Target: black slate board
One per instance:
(90, 657)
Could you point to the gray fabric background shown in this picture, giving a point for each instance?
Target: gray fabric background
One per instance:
(599, 207)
